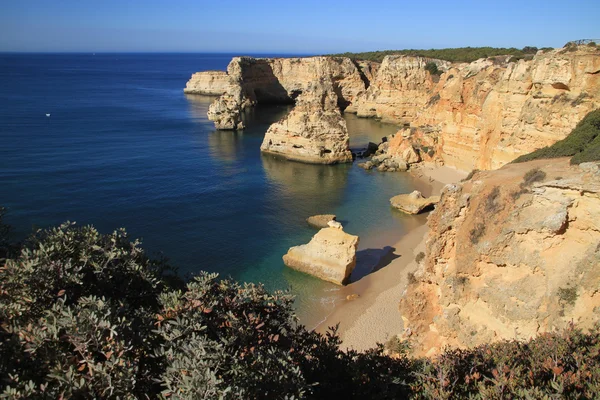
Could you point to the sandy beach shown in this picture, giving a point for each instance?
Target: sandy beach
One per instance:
(373, 317)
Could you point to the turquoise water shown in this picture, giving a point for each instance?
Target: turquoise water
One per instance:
(125, 147)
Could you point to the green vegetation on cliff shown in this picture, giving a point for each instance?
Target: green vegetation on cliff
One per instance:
(86, 315)
(460, 54)
(583, 143)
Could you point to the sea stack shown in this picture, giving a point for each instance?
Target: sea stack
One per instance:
(314, 131)
(330, 255)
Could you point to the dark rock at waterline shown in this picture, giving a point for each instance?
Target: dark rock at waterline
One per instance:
(320, 221)
(366, 165)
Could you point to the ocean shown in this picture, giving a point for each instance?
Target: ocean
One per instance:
(123, 146)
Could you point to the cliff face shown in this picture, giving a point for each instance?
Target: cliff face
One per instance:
(314, 131)
(478, 115)
(485, 114)
(400, 89)
(213, 83)
(510, 253)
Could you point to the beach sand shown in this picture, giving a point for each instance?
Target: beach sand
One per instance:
(373, 317)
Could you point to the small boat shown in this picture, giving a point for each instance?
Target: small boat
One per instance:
(47, 115)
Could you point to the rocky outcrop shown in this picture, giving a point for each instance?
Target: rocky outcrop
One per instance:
(484, 114)
(330, 255)
(413, 203)
(226, 111)
(314, 131)
(400, 90)
(282, 80)
(321, 220)
(480, 115)
(511, 253)
(213, 83)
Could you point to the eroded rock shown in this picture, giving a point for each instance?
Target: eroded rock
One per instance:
(330, 255)
(213, 83)
(321, 220)
(504, 261)
(314, 131)
(413, 203)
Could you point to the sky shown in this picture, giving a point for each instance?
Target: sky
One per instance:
(295, 27)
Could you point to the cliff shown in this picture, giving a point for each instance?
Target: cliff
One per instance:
(213, 83)
(478, 115)
(314, 131)
(486, 113)
(511, 253)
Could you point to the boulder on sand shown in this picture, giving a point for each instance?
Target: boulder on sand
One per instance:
(413, 203)
(330, 255)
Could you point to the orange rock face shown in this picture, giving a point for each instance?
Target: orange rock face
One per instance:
(485, 114)
(510, 254)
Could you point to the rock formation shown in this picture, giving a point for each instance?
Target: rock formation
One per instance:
(330, 255)
(320, 221)
(401, 89)
(511, 253)
(413, 203)
(213, 83)
(484, 114)
(314, 131)
(479, 115)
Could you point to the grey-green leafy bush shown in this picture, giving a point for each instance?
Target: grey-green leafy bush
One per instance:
(85, 315)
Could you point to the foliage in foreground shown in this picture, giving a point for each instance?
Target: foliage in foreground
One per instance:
(86, 315)
(460, 54)
(583, 143)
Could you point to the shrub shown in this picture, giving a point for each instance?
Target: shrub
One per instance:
(461, 54)
(477, 232)
(530, 50)
(86, 315)
(420, 257)
(579, 99)
(532, 176)
(568, 295)
(582, 144)
(432, 68)
(470, 176)
(433, 100)
(492, 203)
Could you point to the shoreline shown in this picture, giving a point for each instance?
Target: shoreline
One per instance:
(373, 317)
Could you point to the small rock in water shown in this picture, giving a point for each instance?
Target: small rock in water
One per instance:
(320, 221)
(330, 255)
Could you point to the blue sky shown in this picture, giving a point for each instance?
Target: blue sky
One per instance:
(308, 26)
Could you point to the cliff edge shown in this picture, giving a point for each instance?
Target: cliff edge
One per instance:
(511, 253)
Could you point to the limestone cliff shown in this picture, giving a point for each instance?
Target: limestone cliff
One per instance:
(485, 114)
(401, 88)
(213, 83)
(478, 115)
(314, 131)
(510, 253)
(282, 80)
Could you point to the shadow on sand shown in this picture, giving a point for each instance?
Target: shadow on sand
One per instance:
(372, 260)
